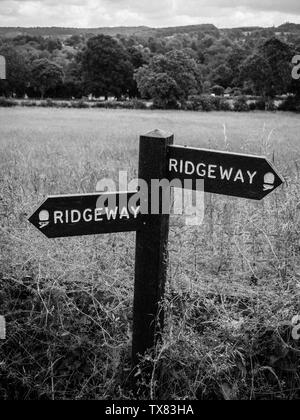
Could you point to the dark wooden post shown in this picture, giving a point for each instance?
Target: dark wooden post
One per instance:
(151, 250)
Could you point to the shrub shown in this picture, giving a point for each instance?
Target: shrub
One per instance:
(218, 90)
(236, 92)
(270, 105)
(203, 103)
(138, 104)
(241, 105)
(252, 106)
(224, 105)
(260, 104)
(29, 103)
(132, 104)
(48, 103)
(6, 103)
(195, 103)
(163, 104)
(64, 105)
(79, 104)
(208, 103)
(100, 105)
(291, 103)
(114, 105)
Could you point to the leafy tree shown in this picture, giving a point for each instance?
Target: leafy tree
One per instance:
(161, 87)
(174, 74)
(257, 70)
(73, 40)
(206, 86)
(136, 56)
(207, 41)
(269, 68)
(46, 75)
(53, 44)
(233, 62)
(106, 67)
(174, 44)
(222, 76)
(156, 45)
(218, 90)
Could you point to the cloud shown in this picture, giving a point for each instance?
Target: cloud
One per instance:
(91, 13)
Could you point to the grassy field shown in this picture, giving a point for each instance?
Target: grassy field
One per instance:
(233, 283)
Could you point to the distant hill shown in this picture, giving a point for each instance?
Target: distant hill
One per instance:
(289, 27)
(59, 31)
(142, 31)
(250, 28)
(186, 29)
(113, 31)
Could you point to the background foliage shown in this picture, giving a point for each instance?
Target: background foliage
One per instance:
(167, 64)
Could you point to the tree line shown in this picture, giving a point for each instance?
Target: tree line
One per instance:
(166, 69)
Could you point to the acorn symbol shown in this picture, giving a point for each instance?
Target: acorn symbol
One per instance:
(44, 218)
(269, 181)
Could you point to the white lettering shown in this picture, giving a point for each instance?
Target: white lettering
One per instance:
(124, 213)
(181, 166)
(111, 214)
(211, 171)
(239, 176)
(225, 173)
(98, 214)
(58, 216)
(251, 176)
(203, 172)
(173, 165)
(87, 217)
(75, 213)
(135, 211)
(192, 168)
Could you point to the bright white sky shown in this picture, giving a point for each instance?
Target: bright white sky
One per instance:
(157, 13)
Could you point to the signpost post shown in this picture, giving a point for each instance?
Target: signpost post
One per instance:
(151, 249)
(231, 174)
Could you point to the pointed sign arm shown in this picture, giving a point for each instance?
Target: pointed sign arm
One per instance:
(226, 173)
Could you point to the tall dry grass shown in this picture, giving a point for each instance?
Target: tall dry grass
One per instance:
(233, 283)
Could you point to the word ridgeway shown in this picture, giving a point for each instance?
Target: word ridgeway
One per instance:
(95, 215)
(225, 173)
(88, 214)
(202, 170)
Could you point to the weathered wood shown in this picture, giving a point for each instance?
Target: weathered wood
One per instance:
(151, 250)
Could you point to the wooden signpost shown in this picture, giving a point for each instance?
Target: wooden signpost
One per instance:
(2, 68)
(231, 174)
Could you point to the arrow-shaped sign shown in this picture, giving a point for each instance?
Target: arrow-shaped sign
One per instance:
(88, 214)
(232, 174)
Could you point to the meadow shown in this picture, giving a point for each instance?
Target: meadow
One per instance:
(233, 282)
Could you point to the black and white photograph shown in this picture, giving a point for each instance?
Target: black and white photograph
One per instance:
(149, 203)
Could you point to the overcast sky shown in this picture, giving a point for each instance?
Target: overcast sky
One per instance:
(158, 13)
